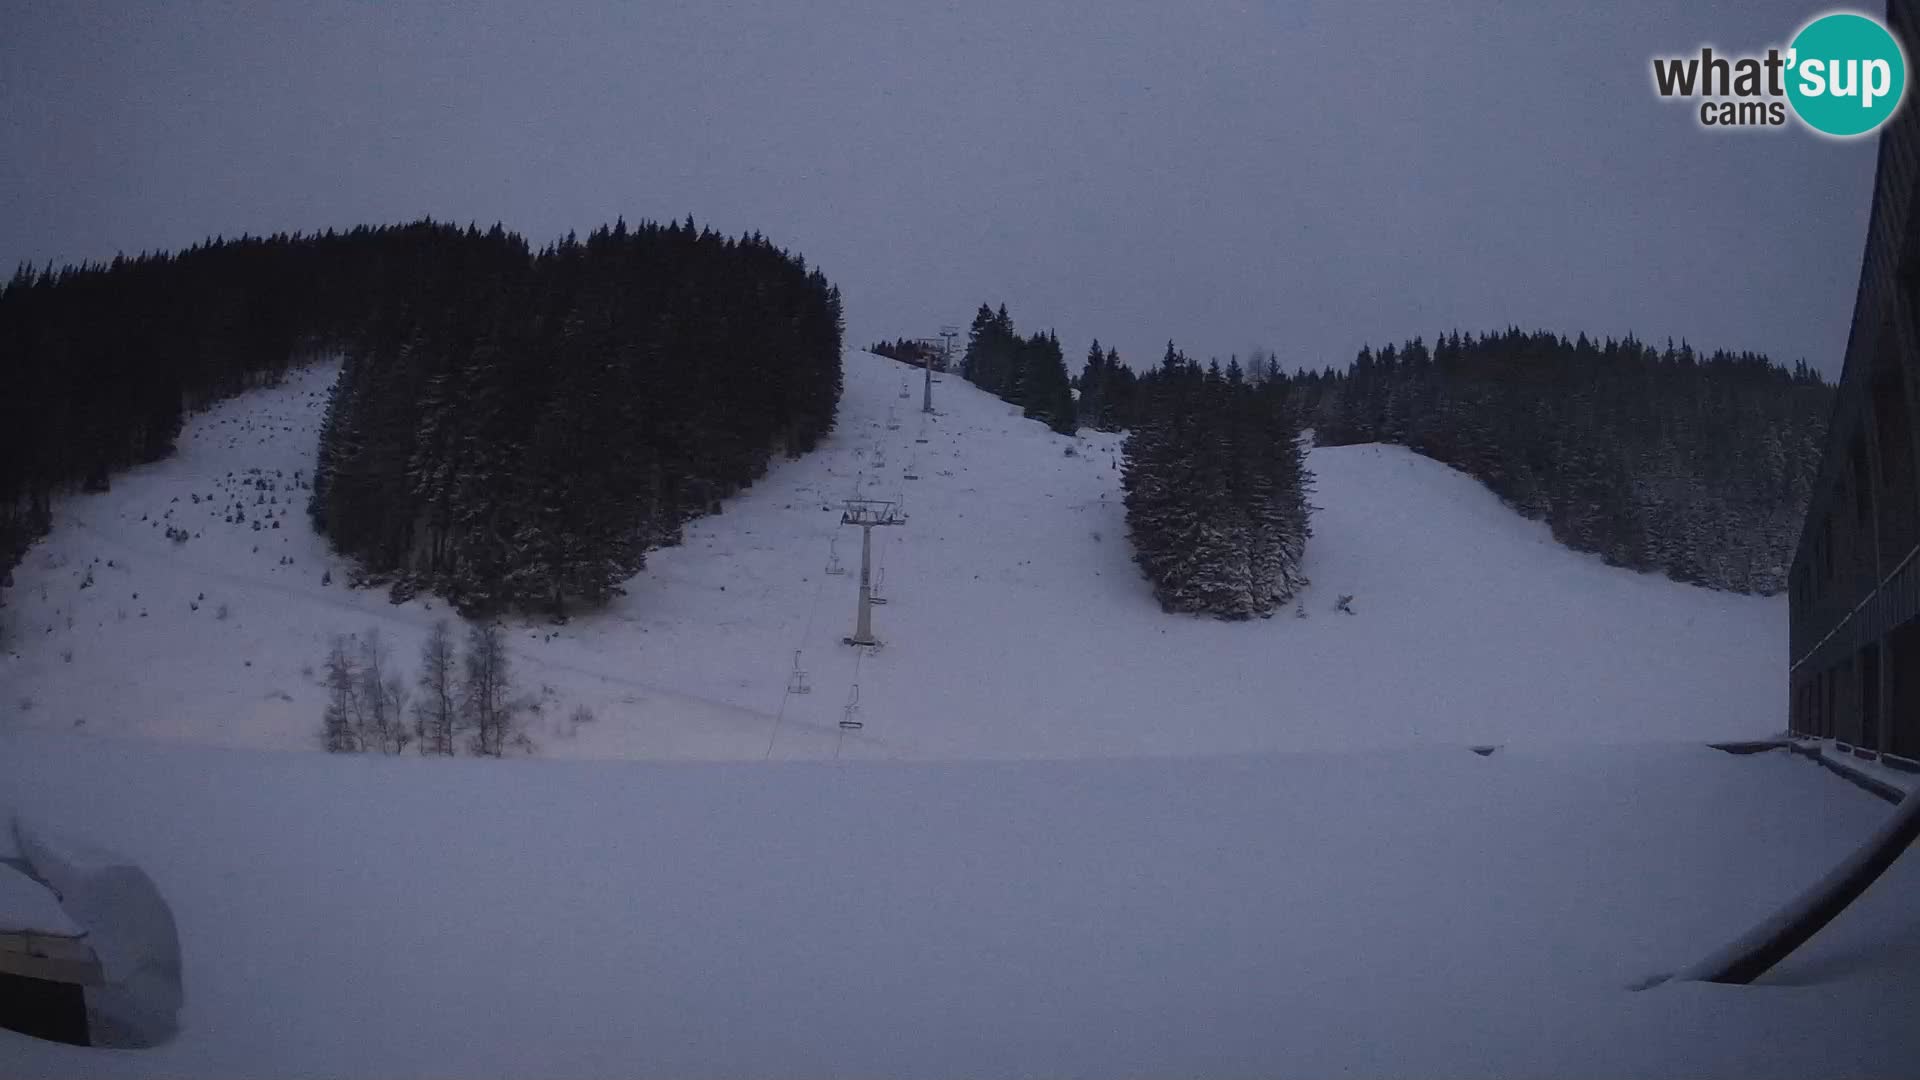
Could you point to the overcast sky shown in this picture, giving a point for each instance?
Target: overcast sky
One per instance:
(1303, 176)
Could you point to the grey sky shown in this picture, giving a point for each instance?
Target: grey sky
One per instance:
(1303, 176)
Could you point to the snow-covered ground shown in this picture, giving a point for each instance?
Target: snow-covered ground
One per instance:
(1232, 849)
(1017, 625)
(1411, 912)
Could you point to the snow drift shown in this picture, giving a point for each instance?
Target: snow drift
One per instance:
(129, 926)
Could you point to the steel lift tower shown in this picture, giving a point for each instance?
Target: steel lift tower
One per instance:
(947, 334)
(867, 513)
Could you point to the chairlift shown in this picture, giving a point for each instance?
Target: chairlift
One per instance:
(833, 556)
(873, 594)
(849, 717)
(797, 682)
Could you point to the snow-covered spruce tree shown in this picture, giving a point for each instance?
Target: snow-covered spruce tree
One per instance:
(1275, 495)
(436, 710)
(1220, 567)
(1652, 458)
(1215, 491)
(520, 437)
(1161, 523)
(585, 509)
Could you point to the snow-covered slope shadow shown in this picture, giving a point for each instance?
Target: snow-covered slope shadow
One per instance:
(1016, 622)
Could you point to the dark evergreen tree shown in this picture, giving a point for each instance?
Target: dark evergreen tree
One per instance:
(509, 427)
(1215, 490)
(1092, 385)
(1655, 459)
(1048, 396)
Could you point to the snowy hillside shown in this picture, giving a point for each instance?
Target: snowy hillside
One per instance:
(1016, 625)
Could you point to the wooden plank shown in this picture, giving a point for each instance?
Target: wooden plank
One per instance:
(49, 957)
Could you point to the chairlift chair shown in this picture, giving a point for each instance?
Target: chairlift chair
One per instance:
(849, 717)
(797, 682)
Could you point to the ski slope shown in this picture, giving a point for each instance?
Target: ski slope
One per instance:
(1017, 625)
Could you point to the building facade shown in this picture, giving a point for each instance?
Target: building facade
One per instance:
(1854, 667)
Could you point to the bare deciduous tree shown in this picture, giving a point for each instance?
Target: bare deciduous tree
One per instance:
(485, 705)
(340, 727)
(437, 712)
(383, 695)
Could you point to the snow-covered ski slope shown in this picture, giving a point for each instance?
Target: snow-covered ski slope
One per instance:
(1016, 623)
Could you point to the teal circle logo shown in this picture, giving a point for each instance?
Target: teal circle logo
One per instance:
(1846, 74)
